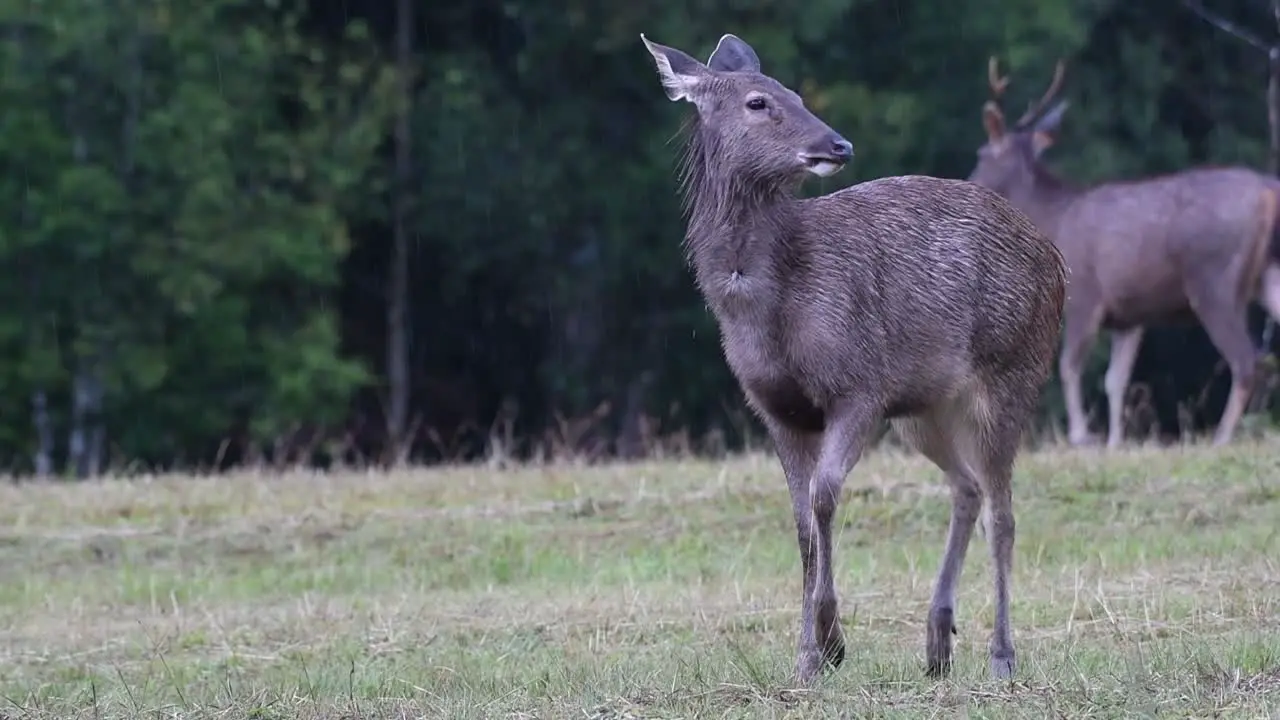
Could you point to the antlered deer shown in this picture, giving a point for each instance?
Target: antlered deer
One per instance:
(931, 303)
(1197, 244)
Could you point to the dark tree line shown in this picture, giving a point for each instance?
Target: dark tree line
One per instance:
(338, 230)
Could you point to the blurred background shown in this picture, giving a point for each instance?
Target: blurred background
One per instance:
(367, 230)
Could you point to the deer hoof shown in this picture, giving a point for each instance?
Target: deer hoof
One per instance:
(1086, 440)
(938, 634)
(1002, 666)
(808, 668)
(811, 663)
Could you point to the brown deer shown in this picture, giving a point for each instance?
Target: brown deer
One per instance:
(1199, 244)
(931, 303)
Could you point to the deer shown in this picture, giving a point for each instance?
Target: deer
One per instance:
(1197, 245)
(930, 303)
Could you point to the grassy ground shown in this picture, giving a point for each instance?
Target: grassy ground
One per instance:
(1146, 584)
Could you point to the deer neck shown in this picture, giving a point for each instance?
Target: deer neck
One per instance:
(736, 248)
(738, 228)
(1044, 199)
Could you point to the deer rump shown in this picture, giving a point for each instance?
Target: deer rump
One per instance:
(1155, 250)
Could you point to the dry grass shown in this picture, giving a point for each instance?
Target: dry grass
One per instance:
(1146, 584)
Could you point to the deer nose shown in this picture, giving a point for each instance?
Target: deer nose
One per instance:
(841, 148)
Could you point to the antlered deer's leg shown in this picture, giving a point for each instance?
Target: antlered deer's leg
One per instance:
(1225, 321)
(1077, 339)
(841, 447)
(1124, 352)
(1069, 371)
(798, 453)
(1271, 292)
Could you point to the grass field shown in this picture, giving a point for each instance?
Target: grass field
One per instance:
(1147, 583)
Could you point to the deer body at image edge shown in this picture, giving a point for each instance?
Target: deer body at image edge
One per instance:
(1199, 244)
(931, 303)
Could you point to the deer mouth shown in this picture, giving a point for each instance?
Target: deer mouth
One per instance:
(822, 165)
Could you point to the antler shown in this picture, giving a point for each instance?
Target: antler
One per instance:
(1036, 108)
(992, 115)
(997, 83)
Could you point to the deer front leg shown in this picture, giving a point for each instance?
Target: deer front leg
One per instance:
(1077, 424)
(1124, 352)
(839, 450)
(1078, 338)
(798, 453)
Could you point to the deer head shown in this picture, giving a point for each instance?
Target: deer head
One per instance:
(1007, 160)
(758, 129)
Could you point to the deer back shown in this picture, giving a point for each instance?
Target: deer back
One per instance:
(1151, 237)
(925, 277)
(1133, 246)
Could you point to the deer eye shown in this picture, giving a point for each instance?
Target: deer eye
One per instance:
(757, 103)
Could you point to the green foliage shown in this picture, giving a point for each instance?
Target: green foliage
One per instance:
(181, 214)
(181, 189)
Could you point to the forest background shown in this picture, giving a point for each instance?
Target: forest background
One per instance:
(339, 230)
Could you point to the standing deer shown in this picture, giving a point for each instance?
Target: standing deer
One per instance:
(1199, 244)
(931, 303)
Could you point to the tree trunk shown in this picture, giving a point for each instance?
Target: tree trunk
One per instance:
(86, 389)
(398, 390)
(1273, 109)
(88, 406)
(42, 460)
(87, 437)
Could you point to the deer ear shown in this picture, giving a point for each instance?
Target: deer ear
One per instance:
(993, 121)
(680, 74)
(1049, 122)
(1045, 131)
(733, 54)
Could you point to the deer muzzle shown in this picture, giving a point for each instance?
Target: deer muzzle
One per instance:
(828, 156)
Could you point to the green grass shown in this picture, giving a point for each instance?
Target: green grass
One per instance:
(1147, 583)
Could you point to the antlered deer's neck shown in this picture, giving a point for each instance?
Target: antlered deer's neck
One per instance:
(1045, 198)
(737, 224)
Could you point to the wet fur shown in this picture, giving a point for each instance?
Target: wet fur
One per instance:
(931, 303)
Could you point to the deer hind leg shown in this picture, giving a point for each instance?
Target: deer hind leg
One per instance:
(1271, 292)
(996, 479)
(986, 450)
(1225, 322)
(1124, 352)
(950, 438)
